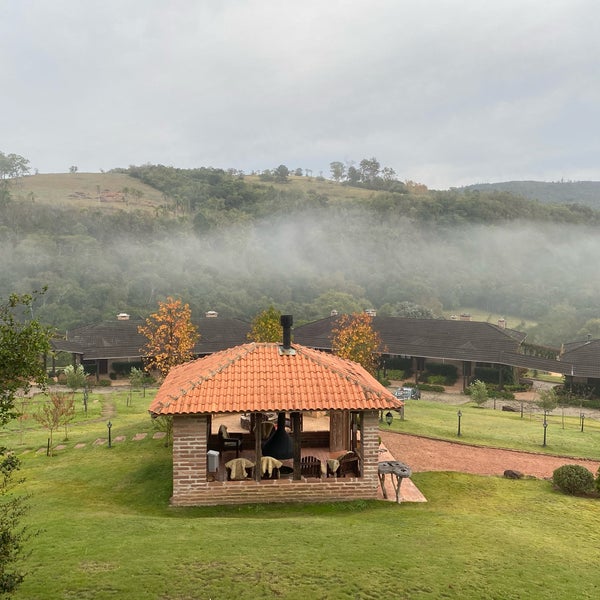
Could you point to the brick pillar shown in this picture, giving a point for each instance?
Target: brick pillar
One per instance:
(370, 446)
(190, 444)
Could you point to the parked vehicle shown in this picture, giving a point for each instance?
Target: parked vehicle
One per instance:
(407, 393)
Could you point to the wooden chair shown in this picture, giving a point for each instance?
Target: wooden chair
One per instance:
(229, 442)
(269, 467)
(310, 466)
(348, 465)
(239, 468)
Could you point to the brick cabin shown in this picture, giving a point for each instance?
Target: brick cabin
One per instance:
(259, 378)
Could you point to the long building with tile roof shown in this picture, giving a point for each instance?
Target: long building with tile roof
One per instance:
(99, 345)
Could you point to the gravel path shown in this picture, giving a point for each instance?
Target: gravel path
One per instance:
(424, 454)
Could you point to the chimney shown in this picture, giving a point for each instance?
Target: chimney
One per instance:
(502, 323)
(286, 322)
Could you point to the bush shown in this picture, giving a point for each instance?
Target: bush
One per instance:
(426, 387)
(500, 394)
(573, 479)
(443, 373)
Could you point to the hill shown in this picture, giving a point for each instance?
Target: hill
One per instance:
(121, 241)
(585, 193)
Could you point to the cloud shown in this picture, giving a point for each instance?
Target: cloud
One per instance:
(446, 93)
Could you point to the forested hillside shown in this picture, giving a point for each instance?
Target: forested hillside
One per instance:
(585, 193)
(119, 242)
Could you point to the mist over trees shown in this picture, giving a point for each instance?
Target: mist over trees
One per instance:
(235, 244)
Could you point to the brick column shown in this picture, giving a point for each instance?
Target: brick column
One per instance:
(370, 446)
(190, 444)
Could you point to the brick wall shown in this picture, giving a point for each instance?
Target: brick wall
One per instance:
(190, 487)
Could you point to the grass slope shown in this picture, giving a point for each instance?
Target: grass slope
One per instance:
(107, 531)
(88, 190)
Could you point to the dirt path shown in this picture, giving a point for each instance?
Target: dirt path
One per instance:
(423, 454)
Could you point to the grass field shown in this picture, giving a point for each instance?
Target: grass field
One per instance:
(88, 190)
(500, 429)
(107, 530)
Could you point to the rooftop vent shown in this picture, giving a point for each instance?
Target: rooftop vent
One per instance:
(334, 313)
(371, 312)
(465, 317)
(122, 317)
(211, 314)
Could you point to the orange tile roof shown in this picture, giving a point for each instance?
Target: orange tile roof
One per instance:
(258, 377)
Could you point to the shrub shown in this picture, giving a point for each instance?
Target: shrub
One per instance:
(441, 373)
(478, 392)
(573, 479)
(427, 387)
(501, 394)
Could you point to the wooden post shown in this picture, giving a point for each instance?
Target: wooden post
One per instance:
(258, 420)
(296, 437)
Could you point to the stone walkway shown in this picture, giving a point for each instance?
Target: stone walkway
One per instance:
(138, 437)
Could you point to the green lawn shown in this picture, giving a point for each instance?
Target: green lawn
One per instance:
(487, 427)
(107, 531)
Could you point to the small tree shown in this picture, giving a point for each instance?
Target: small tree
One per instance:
(479, 392)
(75, 377)
(548, 400)
(355, 339)
(171, 336)
(281, 174)
(58, 411)
(266, 326)
(164, 423)
(139, 379)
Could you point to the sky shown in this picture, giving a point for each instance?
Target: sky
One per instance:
(445, 92)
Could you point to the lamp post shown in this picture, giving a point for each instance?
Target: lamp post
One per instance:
(389, 417)
(545, 426)
(582, 417)
(109, 425)
(459, 415)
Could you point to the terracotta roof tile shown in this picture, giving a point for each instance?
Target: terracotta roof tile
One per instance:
(260, 378)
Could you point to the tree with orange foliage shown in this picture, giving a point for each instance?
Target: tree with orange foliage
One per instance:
(171, 336)
(354, 338)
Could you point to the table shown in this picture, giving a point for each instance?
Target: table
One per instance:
(397, 471)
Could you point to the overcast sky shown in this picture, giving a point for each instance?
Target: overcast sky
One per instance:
(445, 92)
